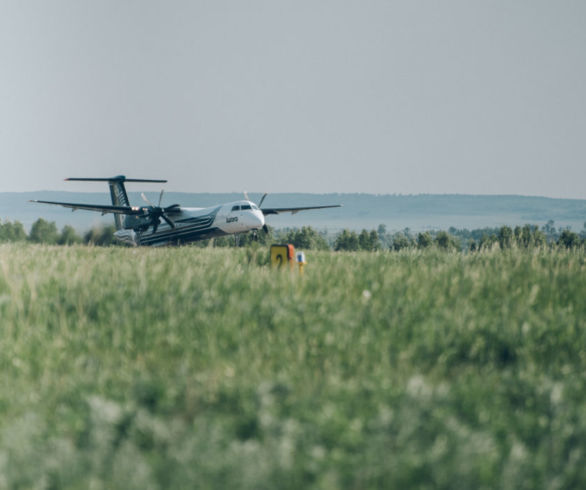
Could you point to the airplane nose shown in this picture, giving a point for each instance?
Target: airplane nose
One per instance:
(258, 219)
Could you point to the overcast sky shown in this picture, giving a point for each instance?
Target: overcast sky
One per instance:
(474, 97)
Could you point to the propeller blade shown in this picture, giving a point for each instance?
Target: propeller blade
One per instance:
(262, 199)
(265, 228)
(156, 225)
(246, 196)
(161, 196)
(174, 208)
(168, 220)
(144, 198)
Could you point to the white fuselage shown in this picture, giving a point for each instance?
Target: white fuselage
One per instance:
(239, 217)
(199, 223)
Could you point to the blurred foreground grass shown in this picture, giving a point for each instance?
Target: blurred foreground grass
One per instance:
(198, 368)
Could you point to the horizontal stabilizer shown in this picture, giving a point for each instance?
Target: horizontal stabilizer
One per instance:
(118, 178)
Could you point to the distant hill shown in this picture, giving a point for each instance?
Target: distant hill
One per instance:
(396, 212)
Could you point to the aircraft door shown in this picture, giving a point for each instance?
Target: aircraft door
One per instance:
(244, 218)
(233, 218)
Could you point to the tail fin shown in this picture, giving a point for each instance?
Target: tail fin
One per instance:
(117, 191)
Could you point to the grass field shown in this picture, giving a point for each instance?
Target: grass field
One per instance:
(200, 368)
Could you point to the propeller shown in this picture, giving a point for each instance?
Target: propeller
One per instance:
(155, 213)
(261, 199)
(265, 228)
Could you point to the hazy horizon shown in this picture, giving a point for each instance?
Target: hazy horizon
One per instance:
(380, 97)
(156, 192)
(418, 212)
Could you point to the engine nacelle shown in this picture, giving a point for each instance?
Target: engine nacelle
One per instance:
(136, 222)
(127, 236)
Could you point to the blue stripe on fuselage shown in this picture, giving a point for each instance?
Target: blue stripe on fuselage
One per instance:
(189, 229)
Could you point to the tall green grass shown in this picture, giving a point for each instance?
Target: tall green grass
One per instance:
(200, 368)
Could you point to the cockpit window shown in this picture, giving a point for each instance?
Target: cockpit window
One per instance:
(246, 206)
(254, 206)
(235, 208)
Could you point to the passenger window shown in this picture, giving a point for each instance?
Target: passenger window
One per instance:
(235, 208)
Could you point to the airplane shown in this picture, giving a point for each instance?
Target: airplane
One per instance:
(176, 225)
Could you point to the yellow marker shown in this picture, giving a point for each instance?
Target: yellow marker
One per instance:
(282, 254)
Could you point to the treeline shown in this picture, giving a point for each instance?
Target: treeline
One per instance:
(307, 238)
(46, 232)
(505, 237)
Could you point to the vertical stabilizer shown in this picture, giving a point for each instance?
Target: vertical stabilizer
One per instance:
(119, 197)
(117, 192)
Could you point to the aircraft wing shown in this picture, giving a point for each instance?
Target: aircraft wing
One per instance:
(104, 209)
(296, 210)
